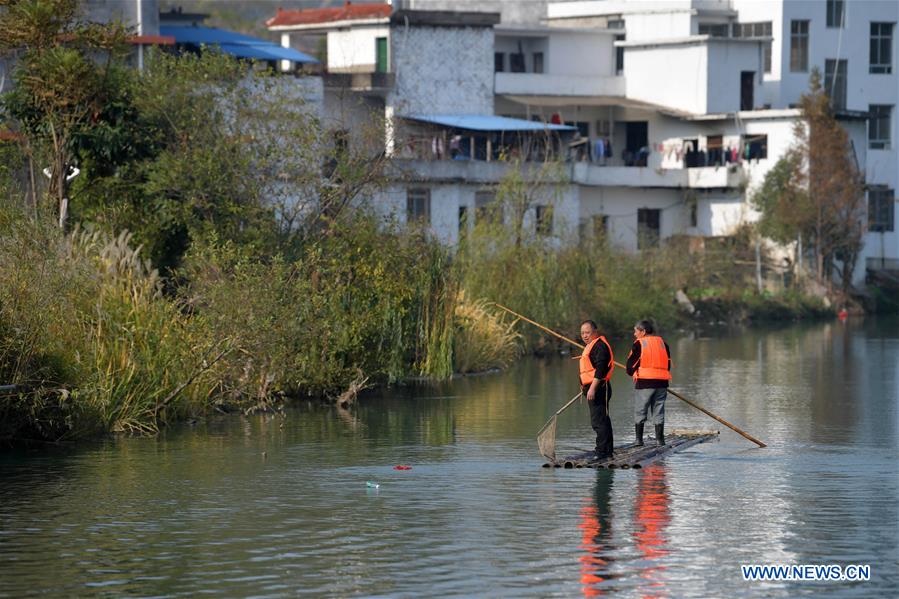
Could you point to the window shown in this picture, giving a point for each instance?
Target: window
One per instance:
(463, 221)
(755, 147)
(499, 62)
(881, 48)
(619, 56)
(747, 89)
(835, 82)
(516, 63)
(836, 13)
(881, 208)
(583, 127)
(648, 227)
(418, 206)
(619, 52)
(798, 46)
(713, 29)
(600, 226)
(486, 208)
(381, 63)
(760, 29)
(538, 62)
(543, 219)
(879, 126)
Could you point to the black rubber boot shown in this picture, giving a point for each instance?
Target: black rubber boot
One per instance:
(638, 430)
(660, 434)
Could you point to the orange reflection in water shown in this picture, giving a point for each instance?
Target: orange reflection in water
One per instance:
(651, 518)
(596, 533)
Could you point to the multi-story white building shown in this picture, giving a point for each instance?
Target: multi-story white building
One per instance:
(850, 42)
(675, 109)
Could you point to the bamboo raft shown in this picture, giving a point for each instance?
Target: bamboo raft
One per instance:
(637, 456)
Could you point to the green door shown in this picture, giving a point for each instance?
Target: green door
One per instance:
(381, 55)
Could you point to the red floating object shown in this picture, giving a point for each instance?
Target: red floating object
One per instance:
(402, 467)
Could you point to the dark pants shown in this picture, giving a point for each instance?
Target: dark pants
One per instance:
(599, 418)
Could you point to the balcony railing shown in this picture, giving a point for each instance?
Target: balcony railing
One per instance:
(360, 81)
(545, 84)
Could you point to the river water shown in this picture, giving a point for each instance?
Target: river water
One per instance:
(278, 506)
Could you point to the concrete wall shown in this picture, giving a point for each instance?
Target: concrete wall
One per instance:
(582, 54)
(651, 26)
(129, 12)
(620, 205)
(726, 60)
(442, 70)
(511, 11)
(447, 197)
(673, 76)
(353, 50)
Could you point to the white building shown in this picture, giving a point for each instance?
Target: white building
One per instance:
(693, 47)
(680, 106)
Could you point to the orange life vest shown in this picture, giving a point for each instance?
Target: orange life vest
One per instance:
(588, 372)
(653, 360)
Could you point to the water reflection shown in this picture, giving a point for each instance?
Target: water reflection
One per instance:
(272, 505)
(596, 537)
(652, 517)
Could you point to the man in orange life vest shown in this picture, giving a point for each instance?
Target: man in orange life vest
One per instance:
(595, 369)
(650, 364)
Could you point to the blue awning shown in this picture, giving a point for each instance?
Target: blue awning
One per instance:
(235, 44)
(485, 122)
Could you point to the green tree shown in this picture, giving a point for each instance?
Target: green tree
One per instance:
(816, 190)
(63, 78)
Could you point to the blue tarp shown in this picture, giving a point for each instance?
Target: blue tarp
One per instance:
(485, 122)
(235, 44)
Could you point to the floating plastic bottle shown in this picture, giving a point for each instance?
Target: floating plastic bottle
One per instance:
(372, 485)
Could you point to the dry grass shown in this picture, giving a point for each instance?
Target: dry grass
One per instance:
(484, 339)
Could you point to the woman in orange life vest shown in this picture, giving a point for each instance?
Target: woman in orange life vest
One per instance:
(650, 364)
(595, 368)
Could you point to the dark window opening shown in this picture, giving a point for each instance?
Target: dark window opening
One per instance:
(835, 82)
(499, 62)
(636, 150)
(543, 220)
(463, 220)
(538, 62)
(755, 147)
(836, 13)
(881, 210)
(516, 63)
(881, 50)
(487, 210)
(879, 126)
(747, 89)
(619, 56)
(418, 206)
(648, 227)
(798, 46)
(600, 226)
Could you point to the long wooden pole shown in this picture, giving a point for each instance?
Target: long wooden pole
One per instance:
(734, 428)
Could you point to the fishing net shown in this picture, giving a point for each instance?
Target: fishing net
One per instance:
(546, 439)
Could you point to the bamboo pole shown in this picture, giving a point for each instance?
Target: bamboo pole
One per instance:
(734, 428)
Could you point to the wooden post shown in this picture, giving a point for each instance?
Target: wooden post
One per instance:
(489, 149)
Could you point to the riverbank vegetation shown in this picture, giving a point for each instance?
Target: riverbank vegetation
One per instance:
(216, 250)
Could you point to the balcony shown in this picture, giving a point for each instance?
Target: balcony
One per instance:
(543, 84)
(581, 173)
(707, 177)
